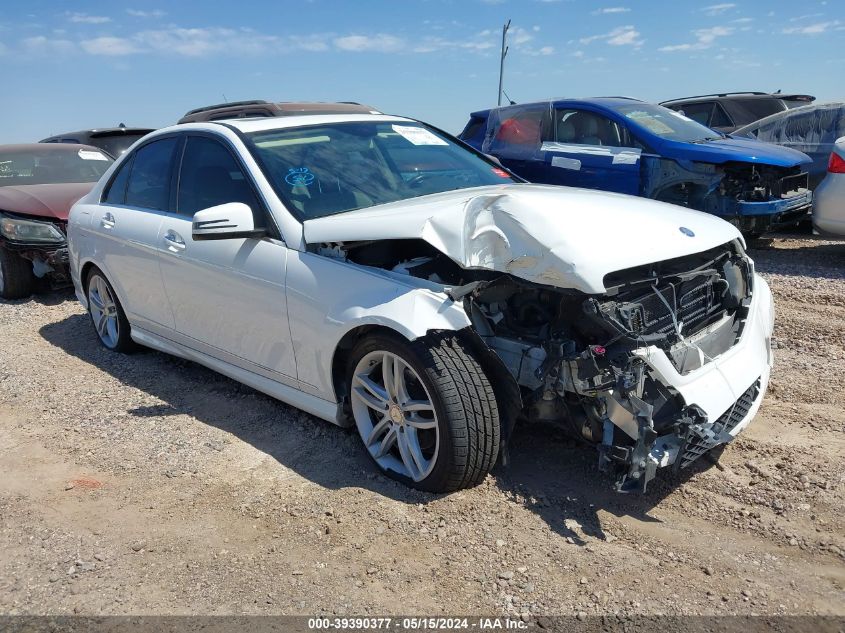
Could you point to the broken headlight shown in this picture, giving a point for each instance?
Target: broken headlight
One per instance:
(20, 230)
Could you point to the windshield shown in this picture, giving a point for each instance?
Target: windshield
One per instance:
(52, 165)
(326, 169)
(666, 123)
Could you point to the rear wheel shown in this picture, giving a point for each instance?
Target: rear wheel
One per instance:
(16, 278)
(107, 314)
(425, 411)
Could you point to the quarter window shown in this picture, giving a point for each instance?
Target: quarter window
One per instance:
(211, 176)
(149, 181)
(116, 192)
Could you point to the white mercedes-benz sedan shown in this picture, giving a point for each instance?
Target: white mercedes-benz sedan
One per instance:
(376, 272)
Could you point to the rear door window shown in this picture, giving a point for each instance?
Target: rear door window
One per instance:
(582, 127)
(720, 118)
(149, 180)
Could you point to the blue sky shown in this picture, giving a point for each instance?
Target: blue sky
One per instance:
(71, 65)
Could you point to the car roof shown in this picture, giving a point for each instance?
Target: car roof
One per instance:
(608, 102)
(43, 148)
(741, 95)
(103, 131)
(239, 109)
(274, 123)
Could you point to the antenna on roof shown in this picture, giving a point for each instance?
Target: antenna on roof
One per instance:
(225, 100)
(508, 97)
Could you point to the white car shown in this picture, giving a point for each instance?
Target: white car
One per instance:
(374, 271)
(829, 198)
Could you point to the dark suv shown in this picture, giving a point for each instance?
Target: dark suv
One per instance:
(727, 111)
(259, 108)
(112, 140)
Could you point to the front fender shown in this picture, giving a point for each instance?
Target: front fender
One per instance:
(328, 299)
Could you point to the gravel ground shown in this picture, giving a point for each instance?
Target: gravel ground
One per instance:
(147, 485)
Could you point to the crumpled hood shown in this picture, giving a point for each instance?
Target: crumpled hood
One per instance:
(557, 236)
(47, 201)
(744, 150)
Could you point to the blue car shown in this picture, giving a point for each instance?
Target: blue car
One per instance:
(629, 146)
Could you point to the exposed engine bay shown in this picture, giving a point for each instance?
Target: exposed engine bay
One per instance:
(580, 359)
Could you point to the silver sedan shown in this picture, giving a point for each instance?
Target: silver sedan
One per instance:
(829, 206)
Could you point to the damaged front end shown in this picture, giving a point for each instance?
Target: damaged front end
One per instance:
(754, 198)
(43, 243)
(588, 362)
(584, 359)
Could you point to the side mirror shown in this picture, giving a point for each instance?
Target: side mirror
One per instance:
(225, 222)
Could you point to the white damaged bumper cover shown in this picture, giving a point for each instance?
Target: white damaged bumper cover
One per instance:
(728, 390)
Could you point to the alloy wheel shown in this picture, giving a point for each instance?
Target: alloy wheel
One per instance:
(395, 415)
(103, 311)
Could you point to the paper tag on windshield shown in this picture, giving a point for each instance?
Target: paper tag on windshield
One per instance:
(418, 135)
(87, 154)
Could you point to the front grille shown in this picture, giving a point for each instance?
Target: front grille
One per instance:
(790, 184)
(702, 437)
(695, 301)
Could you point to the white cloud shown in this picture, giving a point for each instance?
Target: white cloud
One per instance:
(109, 46)
(138, 13)
(84, 18)
(806, 16)
(704, 38)
(40, 45)
(718, 9)
(203, 42)
(518, 36)
(742, 20)
(813, 29)
(620, 36)
(611, 10)
(380, 43)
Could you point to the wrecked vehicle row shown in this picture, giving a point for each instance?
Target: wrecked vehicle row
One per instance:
(425, 296)
(38, 186)
(628, 146)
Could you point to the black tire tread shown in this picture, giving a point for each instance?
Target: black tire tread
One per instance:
(18, 278)
(470, 403)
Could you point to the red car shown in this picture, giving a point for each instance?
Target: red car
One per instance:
(38, 185)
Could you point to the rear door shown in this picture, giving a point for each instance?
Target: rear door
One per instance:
(514, 136)
(584, 148)
(228, 295)
(127, 223)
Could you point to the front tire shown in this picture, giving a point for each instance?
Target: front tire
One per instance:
(107, 314)
(425, 410)
(16, 277)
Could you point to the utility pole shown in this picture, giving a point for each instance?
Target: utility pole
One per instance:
(502, 60)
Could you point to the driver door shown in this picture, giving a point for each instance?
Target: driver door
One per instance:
(227, 295)
(587, 149)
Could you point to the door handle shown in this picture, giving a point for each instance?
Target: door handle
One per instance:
(174, 241)
(107, 221)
